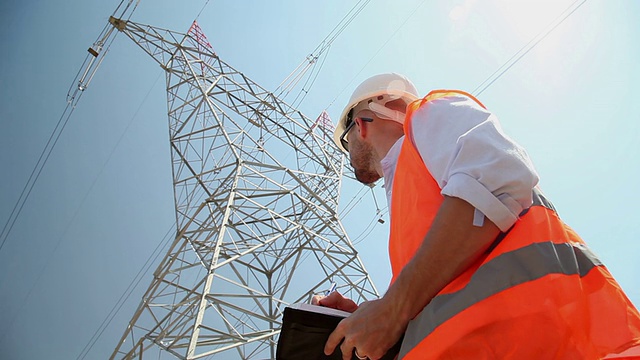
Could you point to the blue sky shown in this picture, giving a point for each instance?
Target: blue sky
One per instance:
(104, 200)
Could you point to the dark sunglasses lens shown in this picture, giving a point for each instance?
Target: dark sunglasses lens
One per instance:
(343, 141)
(345, 144)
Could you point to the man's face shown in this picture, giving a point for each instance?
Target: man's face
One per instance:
(361, 155)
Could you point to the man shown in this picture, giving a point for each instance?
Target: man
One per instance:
(482, 266)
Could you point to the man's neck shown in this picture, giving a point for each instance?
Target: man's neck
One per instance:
(385, 142)
(382, 147)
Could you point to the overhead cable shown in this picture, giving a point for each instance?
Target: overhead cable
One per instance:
(527, 47)
(413, 12)
(79, 84)
(291, 81)
(127, 293)
(35, 173)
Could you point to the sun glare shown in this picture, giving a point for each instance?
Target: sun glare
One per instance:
(524, 20)
(527, 18)
(501, 27)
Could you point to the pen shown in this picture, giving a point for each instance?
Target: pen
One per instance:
(332, 289)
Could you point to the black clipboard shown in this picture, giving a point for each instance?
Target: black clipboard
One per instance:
(304, 334)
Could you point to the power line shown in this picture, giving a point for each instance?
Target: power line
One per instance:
(311, 61)
(83, 78)
(127, 293)
(311, 80)
(353, 202)
(35, 173)
(527, 48)
(86, 195)
(482, 87)
(283, 90)
(370, 227)
(135, 282)
(201, 10)
(413, 12)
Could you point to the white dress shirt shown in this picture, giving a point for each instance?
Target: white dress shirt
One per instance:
(466, 152)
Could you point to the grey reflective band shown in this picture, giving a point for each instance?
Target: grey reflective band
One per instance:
(539, 200)
(503, 272)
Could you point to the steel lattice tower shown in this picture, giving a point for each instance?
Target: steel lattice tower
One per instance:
(256, 193)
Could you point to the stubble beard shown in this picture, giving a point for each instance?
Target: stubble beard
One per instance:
(363, 163)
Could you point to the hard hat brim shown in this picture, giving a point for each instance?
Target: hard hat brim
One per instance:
(342, 120)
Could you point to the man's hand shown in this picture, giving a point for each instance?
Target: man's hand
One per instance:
(452, 244)
(371, 330)
(335, 300)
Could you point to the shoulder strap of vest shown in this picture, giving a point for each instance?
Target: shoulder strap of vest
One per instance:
(433, 95)
(437, 94)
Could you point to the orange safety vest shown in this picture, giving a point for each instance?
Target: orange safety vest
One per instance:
(540, 293)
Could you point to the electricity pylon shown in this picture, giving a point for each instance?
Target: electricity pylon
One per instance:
(256, 194)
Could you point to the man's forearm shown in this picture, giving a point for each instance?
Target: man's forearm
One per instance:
(452, 244)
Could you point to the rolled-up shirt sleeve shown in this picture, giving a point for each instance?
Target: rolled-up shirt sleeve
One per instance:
(468, 154)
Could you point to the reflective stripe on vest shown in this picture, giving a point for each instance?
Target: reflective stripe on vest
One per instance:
(539, 283)
(528, 263)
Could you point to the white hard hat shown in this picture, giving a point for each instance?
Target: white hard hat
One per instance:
(377, 91)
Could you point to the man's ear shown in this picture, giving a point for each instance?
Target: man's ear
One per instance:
(362, 128)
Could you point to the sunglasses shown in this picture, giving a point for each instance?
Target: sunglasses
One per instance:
(350, 124)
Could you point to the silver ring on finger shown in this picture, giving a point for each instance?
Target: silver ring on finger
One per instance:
(359, 356)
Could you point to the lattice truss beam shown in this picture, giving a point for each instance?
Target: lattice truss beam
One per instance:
(256, 193)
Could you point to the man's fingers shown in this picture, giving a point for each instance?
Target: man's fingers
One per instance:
(333, 340)
(337, 301)
(347, 305)
(315, 300)
(347, 350)
(332, 300)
